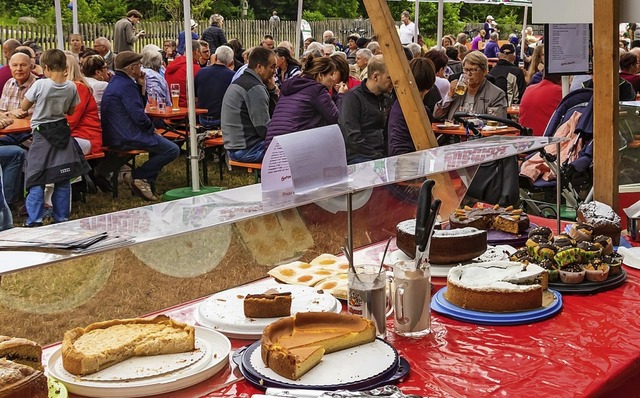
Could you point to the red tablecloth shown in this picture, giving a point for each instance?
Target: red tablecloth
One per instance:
(591, 348)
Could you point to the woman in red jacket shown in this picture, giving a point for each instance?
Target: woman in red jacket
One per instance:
(85, 122)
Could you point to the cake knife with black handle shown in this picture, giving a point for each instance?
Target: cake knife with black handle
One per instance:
(422, 216)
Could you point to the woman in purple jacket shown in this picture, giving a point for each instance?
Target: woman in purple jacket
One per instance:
(305, 102)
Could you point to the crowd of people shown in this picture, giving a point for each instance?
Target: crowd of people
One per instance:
(98, 96)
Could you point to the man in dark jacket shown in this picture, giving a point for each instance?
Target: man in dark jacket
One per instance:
(362, 116)
(508, 76)
(247, 108)
(211, 84)
(214, 35)
(125, 125)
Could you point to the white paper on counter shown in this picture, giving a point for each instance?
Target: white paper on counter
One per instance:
(306, 160)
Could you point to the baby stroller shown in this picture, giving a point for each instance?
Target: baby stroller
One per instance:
(495, 182)
(573, 119)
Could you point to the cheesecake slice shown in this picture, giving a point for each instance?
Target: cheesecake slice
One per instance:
(103, 344)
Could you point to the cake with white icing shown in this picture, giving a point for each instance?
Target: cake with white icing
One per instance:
(447, 246)
(499, 286)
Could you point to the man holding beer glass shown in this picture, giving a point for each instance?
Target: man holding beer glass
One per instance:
(472, 92)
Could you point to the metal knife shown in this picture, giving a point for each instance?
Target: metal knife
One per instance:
(422, 215)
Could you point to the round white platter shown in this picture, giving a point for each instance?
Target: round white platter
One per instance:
(224, 311)
(124, 377)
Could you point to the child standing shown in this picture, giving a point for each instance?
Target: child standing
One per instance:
(53, 156)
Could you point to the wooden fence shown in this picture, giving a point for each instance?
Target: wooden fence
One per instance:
(249, 32)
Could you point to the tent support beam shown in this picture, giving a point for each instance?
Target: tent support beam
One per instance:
(606, 163)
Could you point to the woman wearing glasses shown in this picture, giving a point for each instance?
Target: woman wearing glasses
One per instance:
(480, 96)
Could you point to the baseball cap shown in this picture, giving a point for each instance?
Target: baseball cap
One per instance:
(489, 18)
(194, 24)
(507, 48)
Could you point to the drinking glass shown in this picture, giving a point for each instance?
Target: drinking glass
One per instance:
(367, 295)
(152, 101)
(175, 96)
(412, 298)
(461, 86)
(162, 106)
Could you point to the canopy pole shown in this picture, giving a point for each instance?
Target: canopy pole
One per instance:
(298, 29)
(524, 31)
(74, 12)
(59, 34)
(440, 21)
(193, 139)
(416, 28)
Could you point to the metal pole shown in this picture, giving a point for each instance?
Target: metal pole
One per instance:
(74, 12)
(193, 139)
(59, 34)
(524, 30)
(298, 29)
(440, 21)
(558, 187)
(350, 224)
(416, 29)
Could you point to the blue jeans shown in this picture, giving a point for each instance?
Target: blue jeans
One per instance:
(161, 154)
(209, 122)
(248, 155)
(61, 201)
(11, 160)
(6, 220)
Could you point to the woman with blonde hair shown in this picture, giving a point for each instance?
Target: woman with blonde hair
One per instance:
(534, 73)
(305, 102)
(85, 122)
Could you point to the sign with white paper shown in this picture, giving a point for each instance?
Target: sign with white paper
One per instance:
(303, 161)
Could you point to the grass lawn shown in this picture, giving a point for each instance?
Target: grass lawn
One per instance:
(172, 176)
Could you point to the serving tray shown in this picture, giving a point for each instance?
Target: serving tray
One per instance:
(336, 371)
(444, 307)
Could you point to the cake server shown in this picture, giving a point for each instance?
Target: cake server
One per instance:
(422, 215)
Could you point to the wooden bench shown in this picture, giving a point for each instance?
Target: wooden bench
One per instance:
(131, 161)
(92, 156)
(254, 168)
(215, 145)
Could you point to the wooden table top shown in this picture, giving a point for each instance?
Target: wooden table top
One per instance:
(440, 129)
(18, 126)
(169, 113)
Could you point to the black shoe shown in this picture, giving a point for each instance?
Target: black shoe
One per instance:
(33, 225)
(103, 183)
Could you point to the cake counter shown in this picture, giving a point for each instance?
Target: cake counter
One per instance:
(460, 359)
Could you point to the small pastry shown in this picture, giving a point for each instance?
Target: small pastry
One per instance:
(572, 274)
(591, 251)
(572, 255)
(563, 241)
(533, 242)
(615, 263)
(546, 251)
(552, 270)
(605, 243)
(522, 255)
(596, 271)
(581, 232)
(545, 232)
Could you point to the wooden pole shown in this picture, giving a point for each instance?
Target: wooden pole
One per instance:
(605, 106)
(408, 96)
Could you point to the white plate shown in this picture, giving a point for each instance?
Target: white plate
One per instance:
(338, 367)
(219, 348)
(141, 367)
(493, 253)
(224, 311)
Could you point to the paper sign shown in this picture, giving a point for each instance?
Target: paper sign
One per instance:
(567, 48)
(303, 161)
